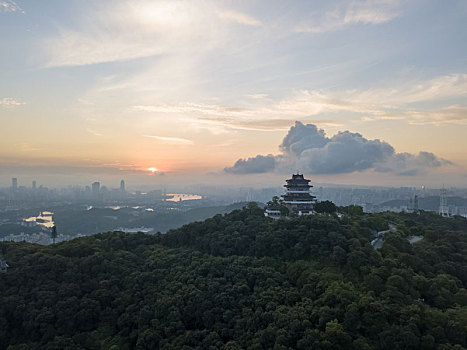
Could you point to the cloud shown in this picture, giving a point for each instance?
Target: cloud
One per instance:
(203, 109)
(411, 164)
(240, 118)
(93, 132)
(345, 152)
(373, 12)
(257, 96)
(262, 125)
(239, 18)
(374, 104)
(383, 117)
(353, 12)
(301, 137)
(255, 165)
(27, 147)
(132, 29)
(383, 102)
(129, 30)
(308, 149)
(9, 6)
(437, 88)
(455, 114)
(11, 102)
(171, 140)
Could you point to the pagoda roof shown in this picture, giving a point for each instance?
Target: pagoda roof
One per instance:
(273, 206)
(298, 178)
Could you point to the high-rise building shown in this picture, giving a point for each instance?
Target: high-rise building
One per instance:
(297, 197)
(34, 185)
(96, 186)
(412, 205)
(14, 183)
(122, 186)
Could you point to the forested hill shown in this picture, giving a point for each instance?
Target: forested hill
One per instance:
(243, 281)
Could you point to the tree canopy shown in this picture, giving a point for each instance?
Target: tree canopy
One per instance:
(244, 281)
(325, 207)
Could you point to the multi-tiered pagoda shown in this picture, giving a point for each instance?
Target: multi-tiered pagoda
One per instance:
(297, 197)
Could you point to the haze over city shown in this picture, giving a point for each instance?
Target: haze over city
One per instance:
(177, 92)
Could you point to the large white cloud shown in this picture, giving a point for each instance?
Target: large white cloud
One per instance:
(308, 149)
(258, 164)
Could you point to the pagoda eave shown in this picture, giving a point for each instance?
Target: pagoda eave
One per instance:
(298, 202)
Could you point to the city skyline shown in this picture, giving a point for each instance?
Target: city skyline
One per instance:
(164, 92)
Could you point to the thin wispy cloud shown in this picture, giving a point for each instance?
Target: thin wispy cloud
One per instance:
(27, 147)
(257, 96)
(262, 125)
(203, 109)
(383, 117)
(135, 29)
(374, 104)
(170, 140)
(239, 18)
(143, 29)
(410, 91)
(352, 12)
(455, 114)
(9, 102)
(93, 132)
(10, 6)
(276, 117)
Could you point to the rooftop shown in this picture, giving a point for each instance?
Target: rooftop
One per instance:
(297, 179)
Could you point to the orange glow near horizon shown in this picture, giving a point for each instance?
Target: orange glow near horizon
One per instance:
(153, 170)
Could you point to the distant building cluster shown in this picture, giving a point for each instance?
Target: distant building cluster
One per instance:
(17, 194)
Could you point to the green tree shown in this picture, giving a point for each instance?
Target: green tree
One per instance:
(325, 207)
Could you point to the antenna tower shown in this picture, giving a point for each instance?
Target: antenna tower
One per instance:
(443, 204)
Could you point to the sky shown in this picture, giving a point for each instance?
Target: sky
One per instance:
(350, 92)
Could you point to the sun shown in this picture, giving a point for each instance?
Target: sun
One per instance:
(153, 170)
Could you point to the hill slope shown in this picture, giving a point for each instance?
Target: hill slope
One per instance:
(243, 281)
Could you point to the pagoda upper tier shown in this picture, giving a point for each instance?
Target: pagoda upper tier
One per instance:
(299, 181)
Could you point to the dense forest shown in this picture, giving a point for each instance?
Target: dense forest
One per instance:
(244, 281)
